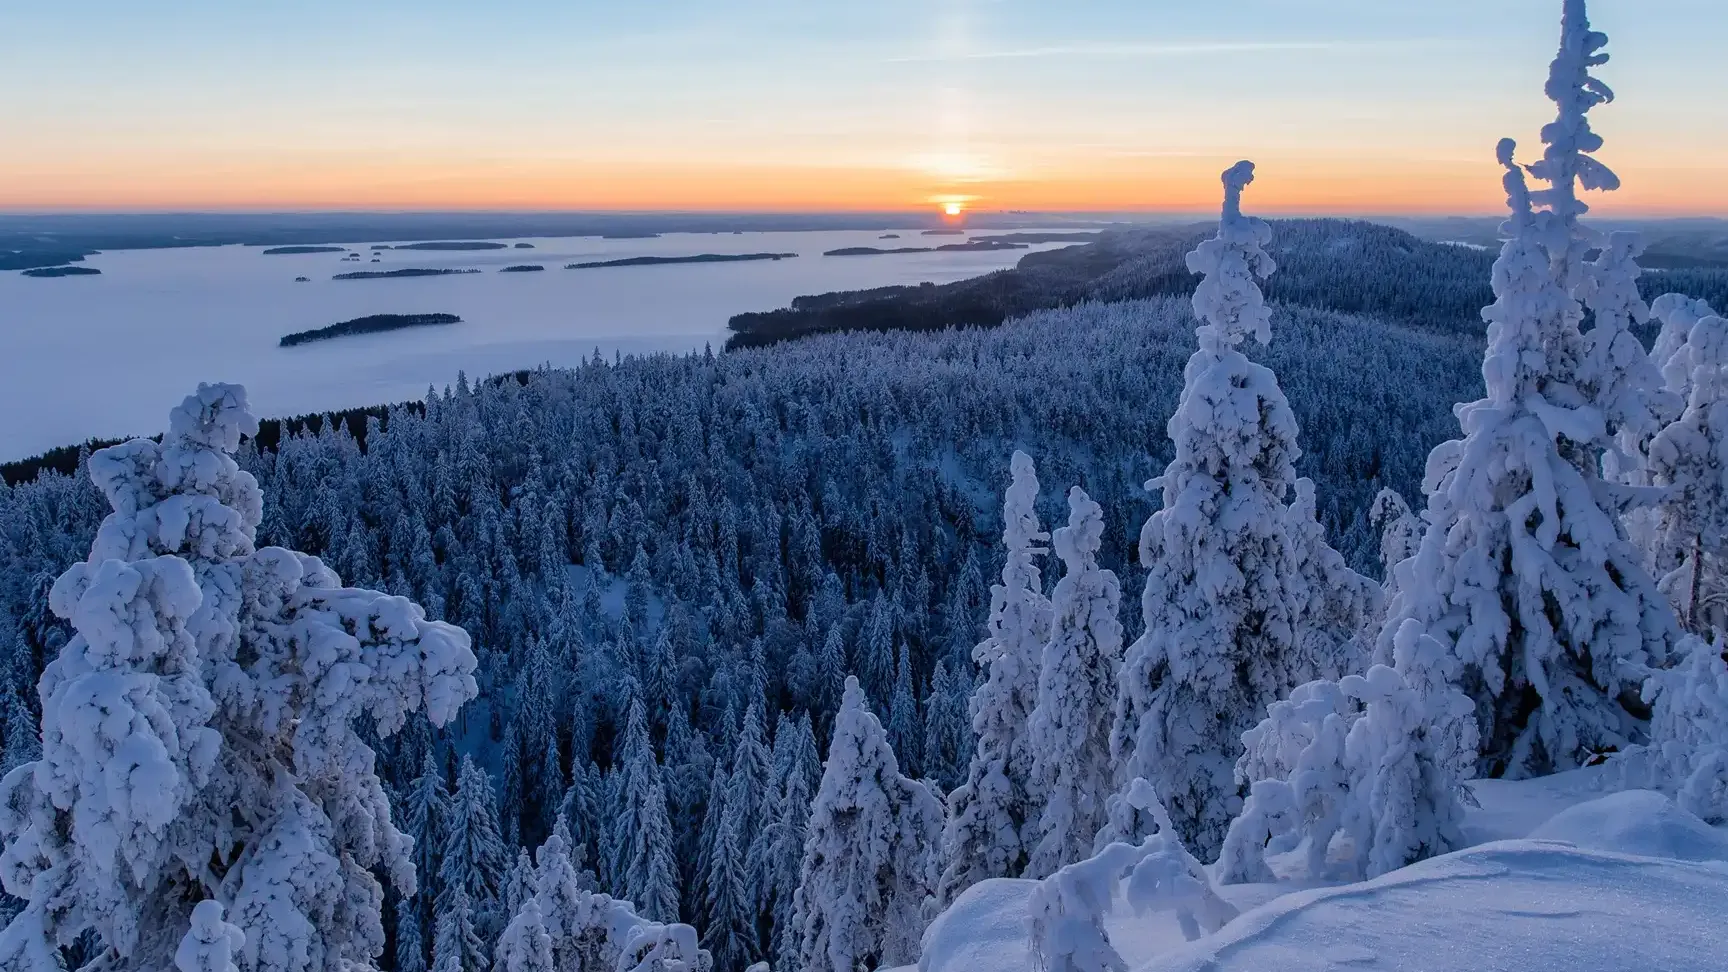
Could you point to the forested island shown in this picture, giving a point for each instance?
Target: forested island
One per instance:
(283, 250)
(655, 261)
(62, 272)
(406, 272)
(973, 246)
(450, 245)
(524, 246)
(370, 324)
(522, 268)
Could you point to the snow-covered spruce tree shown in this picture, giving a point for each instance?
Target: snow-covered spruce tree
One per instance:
(456, 943)
(474, 857)
(585, 931)
(229, 680)
(525, 946)
(1377, 758)
(1220, 597)
(1069, 729)
(870, 859)
(1067, 908)
(988, 813)
(1400, 538)
(1525, 573)
(1688, 752)
(1689, 457)
(798, 772)
(1333, 603)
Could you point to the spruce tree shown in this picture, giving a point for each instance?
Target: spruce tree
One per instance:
(988, 814)
(1069, 729)
(1525, 574)
(870, 858)
(1222, 580)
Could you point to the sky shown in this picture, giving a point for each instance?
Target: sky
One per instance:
(1347, 106)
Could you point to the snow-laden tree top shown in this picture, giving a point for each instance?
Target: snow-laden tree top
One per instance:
(1228, 303)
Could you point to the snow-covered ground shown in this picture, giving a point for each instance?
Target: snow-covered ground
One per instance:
(157, 322)
(1567, 879)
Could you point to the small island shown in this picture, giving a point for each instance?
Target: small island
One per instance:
(522, 268)
(524, 246)
(458, 245)
(407, 272)
(275, 250)
(945, 231)
(655, 261)
(974, 246)
(62, 272)
(889, 236)
(367, 325)
(302, 279)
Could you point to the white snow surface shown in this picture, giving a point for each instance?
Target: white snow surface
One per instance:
(156, 322)
(1566, 878)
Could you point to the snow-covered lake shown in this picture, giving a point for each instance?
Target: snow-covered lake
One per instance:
(109, 355)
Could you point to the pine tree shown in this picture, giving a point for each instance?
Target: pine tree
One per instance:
(1222, 582)
(1069, 729)
(990, 811)
(869, 860)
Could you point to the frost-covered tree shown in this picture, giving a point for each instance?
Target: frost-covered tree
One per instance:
(779, 847)
(870, 859)
(988, 814)
(1689, 457)
(525, 946)
(1069, 729)
(1333, 603)
(1525, 573)
(643, 828)
(410, 941)
(1400, 537)
(1067, 908)
(199, 736)
(457, 945)
(567, 928)
(426, 818)
(1223, 584)
(1376, 758)
(474, 857)
(1687, 757)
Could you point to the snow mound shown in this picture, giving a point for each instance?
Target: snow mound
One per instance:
(1641, 822)
(1527, 905)
(985, 928)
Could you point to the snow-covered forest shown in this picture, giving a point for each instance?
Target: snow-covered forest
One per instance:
(678, 663)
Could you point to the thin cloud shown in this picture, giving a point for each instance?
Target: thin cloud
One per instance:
(1176, 49)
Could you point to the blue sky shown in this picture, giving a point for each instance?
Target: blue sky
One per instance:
(1348, 105)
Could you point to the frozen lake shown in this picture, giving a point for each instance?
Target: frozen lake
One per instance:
(109, 355)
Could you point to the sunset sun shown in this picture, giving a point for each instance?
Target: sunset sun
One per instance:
(953, 208)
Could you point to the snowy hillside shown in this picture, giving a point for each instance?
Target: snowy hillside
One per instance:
(1573, 881)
